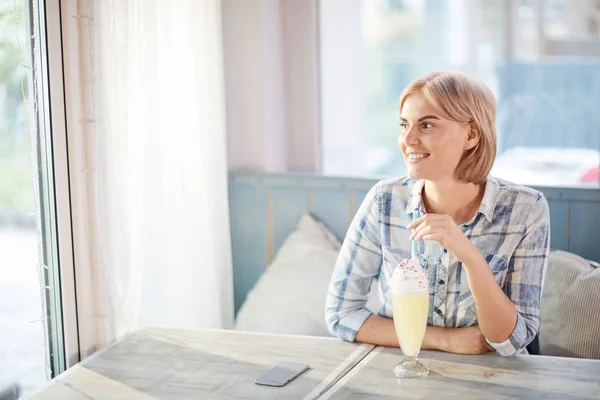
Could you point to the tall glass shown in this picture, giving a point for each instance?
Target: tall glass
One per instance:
(410, 310)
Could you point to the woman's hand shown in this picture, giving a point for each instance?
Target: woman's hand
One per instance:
(443, 229)
(467, 340)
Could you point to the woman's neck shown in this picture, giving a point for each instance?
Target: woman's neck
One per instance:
(459, 200)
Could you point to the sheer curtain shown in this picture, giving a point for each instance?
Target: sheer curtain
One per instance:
(145, 109)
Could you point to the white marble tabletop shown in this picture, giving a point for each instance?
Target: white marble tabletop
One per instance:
(471, 377)
(160, 363)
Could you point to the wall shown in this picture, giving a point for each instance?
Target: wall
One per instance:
(271, 84)
(265, 209)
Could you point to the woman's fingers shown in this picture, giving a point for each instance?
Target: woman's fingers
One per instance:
(424, 218)
(429, 228)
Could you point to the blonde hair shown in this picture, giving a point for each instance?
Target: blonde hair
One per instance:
(461, 98)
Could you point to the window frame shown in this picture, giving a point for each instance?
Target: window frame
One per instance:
(54, 187)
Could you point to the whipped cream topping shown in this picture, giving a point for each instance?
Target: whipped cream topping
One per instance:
(408, 275)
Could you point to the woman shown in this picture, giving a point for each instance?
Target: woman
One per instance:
(483, 242)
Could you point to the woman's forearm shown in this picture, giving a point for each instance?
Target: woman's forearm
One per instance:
(380, 331)
(496, 314)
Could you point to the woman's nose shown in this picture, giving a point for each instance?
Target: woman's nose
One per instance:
(410, 137)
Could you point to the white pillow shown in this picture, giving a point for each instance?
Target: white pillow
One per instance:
(289, 297)
(568, 323)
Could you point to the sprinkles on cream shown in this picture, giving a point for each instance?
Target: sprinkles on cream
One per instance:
(408, 275)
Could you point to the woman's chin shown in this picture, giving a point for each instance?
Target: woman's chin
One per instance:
(415, 173)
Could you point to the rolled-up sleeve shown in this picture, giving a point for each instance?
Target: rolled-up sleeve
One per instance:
(525, 277)
(357, 265)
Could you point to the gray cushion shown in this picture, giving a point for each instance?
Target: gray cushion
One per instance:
(10, 393)
(569, 323)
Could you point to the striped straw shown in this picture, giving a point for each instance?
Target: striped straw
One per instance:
(414, 243)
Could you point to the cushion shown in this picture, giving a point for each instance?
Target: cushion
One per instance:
(289, 297)
(569, 325)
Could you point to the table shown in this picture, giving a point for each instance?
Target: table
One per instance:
(488, 376)
(160, 363)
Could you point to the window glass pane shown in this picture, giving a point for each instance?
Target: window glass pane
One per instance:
(30, 321)
(540, 58)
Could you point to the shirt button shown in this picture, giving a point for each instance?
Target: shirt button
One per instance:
(445, 251)
(441, 282)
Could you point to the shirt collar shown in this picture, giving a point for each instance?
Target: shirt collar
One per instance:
(415, 198)
(490, 198)
(487, 206)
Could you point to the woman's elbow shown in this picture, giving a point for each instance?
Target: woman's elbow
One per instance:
(335, 325)
(345, 324)
(332, 321)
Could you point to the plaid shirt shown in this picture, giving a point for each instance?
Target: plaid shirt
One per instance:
(511, 228)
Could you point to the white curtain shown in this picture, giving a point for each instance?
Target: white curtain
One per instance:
(145, 107)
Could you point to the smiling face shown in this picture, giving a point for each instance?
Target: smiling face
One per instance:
(431, 144)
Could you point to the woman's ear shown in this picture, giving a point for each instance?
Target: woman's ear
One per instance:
(473, 137)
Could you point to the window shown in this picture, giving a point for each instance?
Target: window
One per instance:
(540, 58)
(32, 337)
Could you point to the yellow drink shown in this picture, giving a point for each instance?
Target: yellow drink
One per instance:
(410, 309)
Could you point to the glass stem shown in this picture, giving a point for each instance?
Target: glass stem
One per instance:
(410, 360)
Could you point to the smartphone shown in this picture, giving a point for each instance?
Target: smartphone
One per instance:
(281, 374)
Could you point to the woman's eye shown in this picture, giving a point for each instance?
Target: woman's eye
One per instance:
(427, 125)
(403, 125)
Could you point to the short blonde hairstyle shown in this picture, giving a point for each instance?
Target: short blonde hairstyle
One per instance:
(461, 98)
